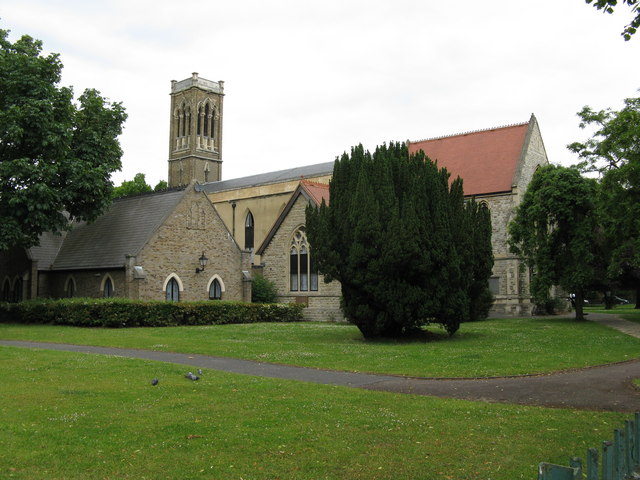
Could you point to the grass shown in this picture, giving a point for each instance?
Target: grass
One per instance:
(73, 416)
(490, 348)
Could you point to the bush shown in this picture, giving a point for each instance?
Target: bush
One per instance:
(550, 306)
(263, 290)
(119, 313)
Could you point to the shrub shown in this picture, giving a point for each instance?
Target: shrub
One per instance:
(119, 313)
(550, 306)
(263, 290)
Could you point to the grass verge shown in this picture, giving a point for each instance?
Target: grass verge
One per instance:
(75, 416)
(490, 348)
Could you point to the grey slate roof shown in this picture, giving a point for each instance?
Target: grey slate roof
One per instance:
(309, 171)
(45, 253)
(122, 230)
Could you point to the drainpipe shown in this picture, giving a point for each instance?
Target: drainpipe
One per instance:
(233, 222)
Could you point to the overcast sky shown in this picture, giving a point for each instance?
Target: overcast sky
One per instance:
(306, 80)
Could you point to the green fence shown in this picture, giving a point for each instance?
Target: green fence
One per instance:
(620, 459)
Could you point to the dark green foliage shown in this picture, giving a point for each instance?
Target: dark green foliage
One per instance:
(119, 313)
(607, 6)
(55, 156)
(403, 244)
(614, 152)
(263, 290)
(556, 231)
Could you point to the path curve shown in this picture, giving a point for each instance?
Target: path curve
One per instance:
(607, 387)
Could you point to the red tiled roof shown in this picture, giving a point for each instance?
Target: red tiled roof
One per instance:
(486, 160)
(316, 190)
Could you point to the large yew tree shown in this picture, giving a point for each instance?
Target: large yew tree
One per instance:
(405, 246)
(56, 155)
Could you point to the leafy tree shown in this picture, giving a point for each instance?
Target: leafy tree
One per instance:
(161, 185)
(614, 152)
(55, 156)
(136, 186)
(608, 6)
(555, 230)
(397, 238)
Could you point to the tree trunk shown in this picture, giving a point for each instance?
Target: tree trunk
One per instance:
(579, 306)
(638, 296)
(608, 300)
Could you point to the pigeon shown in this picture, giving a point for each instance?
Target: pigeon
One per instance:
(199, 371)
(191, 376)
(154, 382)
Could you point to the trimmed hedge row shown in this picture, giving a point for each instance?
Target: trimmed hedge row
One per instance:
(120, 313)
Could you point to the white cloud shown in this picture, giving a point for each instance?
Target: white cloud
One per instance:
(305, 81)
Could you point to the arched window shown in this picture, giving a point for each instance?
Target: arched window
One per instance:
(248, 231)
(107, 290)
(215, 290)
(303, 274)
(70, 288)
(216, 287)
(173, 290)
(17, 290)
(206, 120)
(6, 290)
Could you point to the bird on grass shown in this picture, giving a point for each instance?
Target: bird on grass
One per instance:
(154, 382)
(191, 376)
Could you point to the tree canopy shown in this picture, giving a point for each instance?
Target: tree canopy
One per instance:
(56, 156)
(137, 186)
(613, 151)
(555, 231)
(608, 6)
(403, 243)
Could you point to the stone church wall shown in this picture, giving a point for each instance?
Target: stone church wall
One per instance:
(88, 283)
(510, 282)
(323, 305)
(192, 229)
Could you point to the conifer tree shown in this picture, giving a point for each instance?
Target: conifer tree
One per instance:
(400, 242)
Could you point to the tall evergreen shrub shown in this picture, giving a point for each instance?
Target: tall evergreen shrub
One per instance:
(405, 246)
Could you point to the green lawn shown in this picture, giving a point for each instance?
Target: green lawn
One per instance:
(73, 416)
(489, 348)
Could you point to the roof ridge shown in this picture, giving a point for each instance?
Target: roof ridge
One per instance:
(311, 182)
(511, 125)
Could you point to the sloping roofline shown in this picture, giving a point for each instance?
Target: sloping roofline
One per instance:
(122, 230)
(310, 191)
(309, 171)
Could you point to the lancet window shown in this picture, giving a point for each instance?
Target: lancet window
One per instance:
(303, 274)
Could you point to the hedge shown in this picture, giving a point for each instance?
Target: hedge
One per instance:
(121, 313)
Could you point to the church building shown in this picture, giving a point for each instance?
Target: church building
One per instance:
(206, 237)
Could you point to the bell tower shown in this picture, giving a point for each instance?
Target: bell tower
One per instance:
(195, 135)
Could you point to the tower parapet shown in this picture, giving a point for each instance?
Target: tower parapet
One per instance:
(195, 143)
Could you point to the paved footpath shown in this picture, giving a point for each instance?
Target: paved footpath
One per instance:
(607, 387)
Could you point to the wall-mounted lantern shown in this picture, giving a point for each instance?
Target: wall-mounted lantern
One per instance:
(203, 263)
